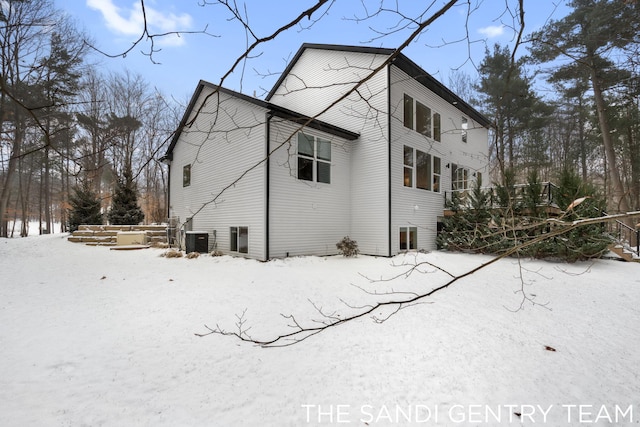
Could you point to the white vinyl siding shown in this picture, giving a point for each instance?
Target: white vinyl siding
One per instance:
(412, 207)
(310, 89)
(218, 158)
(307, 217)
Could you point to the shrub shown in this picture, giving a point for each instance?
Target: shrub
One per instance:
(172, 253)
(348, 247)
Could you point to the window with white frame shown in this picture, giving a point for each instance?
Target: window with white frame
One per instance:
(314, 158)
(408, 111)
(408, 238)
(423, 170)
(408, 166)
(436, 174)
(420, 169)
(239, 239)
(186, 175)
(464, 126)
(421, 118)
(459, 178)
(437, 127)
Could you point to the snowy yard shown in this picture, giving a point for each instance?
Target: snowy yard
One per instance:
(94, 337)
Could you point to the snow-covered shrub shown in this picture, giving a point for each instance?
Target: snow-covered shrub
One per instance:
(348, 247)
(172, 253)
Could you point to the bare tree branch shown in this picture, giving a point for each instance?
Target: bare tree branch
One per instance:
(300, 333)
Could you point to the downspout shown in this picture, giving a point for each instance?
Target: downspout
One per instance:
(269, 116)
(168, 190)
(167, 159)
(389, 154)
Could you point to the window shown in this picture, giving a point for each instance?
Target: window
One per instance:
(239, 240)
(314, 159)
(423, 119)
(408, 238)
(459, 178)
(408, 111)
(436, 174)
(464, 129)
(421, 168)
(479, 177)
(186, 175)
(437, 129)
(408, 166)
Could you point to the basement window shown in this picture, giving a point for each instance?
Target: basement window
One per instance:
(408, 238)
(239, 240)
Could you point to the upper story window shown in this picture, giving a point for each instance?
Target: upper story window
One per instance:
(421, 170)
(437, 129)
(436, 174)
(464, 127)
(408, 111)
(408, 166)
(186, 175)
(314, 158)
(421, 118)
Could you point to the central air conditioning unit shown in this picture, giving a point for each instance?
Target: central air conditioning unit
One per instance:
(197, 241)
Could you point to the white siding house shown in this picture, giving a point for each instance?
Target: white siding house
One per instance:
(351, 141)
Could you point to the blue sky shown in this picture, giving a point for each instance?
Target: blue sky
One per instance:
(182, 61)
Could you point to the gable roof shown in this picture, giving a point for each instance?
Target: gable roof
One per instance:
(403, 63)
(275, 110)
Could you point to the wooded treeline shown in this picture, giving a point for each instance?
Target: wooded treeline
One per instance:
(589, 122)
(563, 98)
(64, 123)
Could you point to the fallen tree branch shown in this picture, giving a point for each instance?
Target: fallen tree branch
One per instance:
(301, 333)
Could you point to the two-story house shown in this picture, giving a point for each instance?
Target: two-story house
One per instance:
(351, 141)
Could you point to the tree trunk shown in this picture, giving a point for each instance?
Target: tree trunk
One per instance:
(47, 192)
(583, 148)
(8, 180)
(618, 194)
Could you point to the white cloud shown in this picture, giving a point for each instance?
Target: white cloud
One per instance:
(130, 22)
(492, 31)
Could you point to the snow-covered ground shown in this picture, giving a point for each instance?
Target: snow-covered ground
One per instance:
(95, 337)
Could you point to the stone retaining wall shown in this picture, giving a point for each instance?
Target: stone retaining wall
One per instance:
(107, 235)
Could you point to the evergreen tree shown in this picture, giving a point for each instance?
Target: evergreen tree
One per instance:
(124, 205)
(518, 114)
(85, 207)
(591, 37)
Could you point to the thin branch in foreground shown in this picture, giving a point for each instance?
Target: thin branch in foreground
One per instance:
(300, 333)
